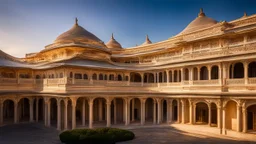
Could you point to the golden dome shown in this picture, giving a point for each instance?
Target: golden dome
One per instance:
(200, 22)
(147, 41)
(112, 43)
(78, 34)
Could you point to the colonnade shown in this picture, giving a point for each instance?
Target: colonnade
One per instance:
(221, 113)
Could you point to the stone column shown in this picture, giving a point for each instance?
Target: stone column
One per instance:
(246, 72)
(244, 120)
(108, 105)
(31, 113)
(219, 117)
(49, 113)
(224, 120)
(142, 78)
(37, 111)
(182, 75)
(159, 111)
(198, 73)
(178, 111)
(1, 112)
(100, 109)
(133, 102)
(172, 76)
(209, 73)
(167, 76)
(170, 113)
(209, 115)
(154, 113)
(65, 114)
(183, 111)
(128, 101)
(125, 111)
(90, 102)
(45, 113)
(194, 113)
(190, 112)
(115, 111)
(142, 114)
(83, 112)
(73, 100)
(238, 109)
(16, 120)
(58, 114)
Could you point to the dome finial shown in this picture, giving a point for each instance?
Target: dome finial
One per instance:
(245, 14)
(201, 13)
(147, 37)
(76, 21)
(112, 36)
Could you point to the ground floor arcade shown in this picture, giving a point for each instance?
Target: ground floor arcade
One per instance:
(70, 112)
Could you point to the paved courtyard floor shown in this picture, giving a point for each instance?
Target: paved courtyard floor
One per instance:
(38, 134)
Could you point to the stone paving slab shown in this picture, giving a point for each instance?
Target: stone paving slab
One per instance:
(34, 133)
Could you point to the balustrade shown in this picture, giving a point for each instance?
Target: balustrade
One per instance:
(252, 81)
(206, 82)
(235, 81)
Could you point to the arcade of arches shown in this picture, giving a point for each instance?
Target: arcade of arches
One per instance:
(72, 112)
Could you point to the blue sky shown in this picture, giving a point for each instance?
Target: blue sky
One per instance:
(28, 25)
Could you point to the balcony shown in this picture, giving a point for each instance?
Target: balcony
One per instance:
(13, 84)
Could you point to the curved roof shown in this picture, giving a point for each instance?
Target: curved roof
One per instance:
(112, 43)
(147, 41)
(202, 21)
(78, 34)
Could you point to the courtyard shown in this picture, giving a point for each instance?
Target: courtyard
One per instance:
(37, 133)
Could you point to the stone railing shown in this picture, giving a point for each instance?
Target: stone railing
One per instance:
(117, 83)
(8, 80)
(206, 82)
(235, 81)
(26, 81)
(251, 80)
(12, 82)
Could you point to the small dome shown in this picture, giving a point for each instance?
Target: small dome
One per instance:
(112, 43)
(147, 41)
(78, 34)
(200, 22)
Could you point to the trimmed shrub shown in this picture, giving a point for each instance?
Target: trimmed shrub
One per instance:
(96, 136)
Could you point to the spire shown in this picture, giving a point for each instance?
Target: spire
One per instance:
(147, 41)
(201, 13)
(76, 21)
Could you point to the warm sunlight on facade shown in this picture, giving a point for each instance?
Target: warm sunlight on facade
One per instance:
(205, 75)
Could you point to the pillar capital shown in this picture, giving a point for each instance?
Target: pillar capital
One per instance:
(65, 101)
(143, 100)
(47, 100)
(73, 100)
(158, 100)
(109, 100)
(58, 101)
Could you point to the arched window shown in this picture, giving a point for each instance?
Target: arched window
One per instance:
(215, 72)
(78, 76)
(119, 77)
(101, 77)
(239, 70)
(126, 78)
(111, 77)
(204, 73)
(61, 75)
(37, 76)
(195, 75)
(135, 77)
(105, 77)
(94, 76)
(170, 76)
(160, 77)
(70, 75)
(186, 73)
(252, 69)
(175, 76)
(85, 76)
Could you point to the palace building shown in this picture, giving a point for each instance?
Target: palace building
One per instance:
(205, 75)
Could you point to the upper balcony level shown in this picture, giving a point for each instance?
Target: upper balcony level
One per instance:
(221, 77)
